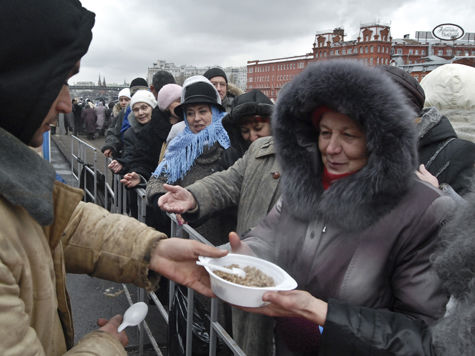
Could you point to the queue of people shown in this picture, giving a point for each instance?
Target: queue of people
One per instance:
(352, 182)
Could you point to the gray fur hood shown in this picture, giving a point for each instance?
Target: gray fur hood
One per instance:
(26, 179)
(455, 265)
(367, 96)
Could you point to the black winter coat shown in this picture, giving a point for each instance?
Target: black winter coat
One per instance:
(135, 155)
(142, 144)
(114, 137)
(447, 157)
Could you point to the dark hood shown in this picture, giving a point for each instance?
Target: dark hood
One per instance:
(42, 40)
(369, 97)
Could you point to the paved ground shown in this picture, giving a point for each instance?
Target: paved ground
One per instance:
(92, 298)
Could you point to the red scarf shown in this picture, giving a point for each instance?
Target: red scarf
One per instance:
(329, 178)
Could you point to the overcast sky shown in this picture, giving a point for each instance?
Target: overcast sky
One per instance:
(129, 36)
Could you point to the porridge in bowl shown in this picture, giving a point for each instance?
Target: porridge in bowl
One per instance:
(254, 277)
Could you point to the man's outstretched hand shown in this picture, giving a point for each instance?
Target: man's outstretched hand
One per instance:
(175, 259)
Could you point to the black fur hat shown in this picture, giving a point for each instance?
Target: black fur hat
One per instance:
(370, 98)
(251, 103)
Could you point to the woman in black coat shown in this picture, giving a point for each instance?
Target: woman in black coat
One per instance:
(134, 164)
(445, 156)
(89, 117)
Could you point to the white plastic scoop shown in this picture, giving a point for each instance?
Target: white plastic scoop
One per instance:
(236, 271)
(134, 315)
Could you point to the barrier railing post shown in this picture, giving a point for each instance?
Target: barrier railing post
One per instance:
(140, 329)
(117, 193)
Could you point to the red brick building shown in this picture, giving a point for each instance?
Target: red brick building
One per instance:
(374, 46)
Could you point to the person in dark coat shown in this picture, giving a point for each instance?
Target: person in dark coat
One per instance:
(354, 222)
(89, 118)
(78, 123)
(133, 163)
(197, 152)
(445, 156)
(152, 139)
(114, 144)
(101, 118)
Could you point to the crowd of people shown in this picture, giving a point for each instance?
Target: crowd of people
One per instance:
(357, 181)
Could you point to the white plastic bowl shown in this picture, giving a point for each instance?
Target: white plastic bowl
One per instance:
(245, 296)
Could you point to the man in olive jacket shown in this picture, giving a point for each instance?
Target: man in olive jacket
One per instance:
(251, 184)
(46, 229)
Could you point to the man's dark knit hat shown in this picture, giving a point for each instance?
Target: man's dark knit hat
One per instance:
(215, 72)
(138, 82)
(410, 86)
(161, 78)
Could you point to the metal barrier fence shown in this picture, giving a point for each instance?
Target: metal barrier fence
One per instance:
(115, 199)
(82, 165)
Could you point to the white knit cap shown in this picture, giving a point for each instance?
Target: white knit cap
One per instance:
(143, 96)
(124, 92)
(167, 95)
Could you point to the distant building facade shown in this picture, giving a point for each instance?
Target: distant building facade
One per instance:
(236, 75)
(373, 46)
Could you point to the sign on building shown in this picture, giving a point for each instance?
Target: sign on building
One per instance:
(448, 32)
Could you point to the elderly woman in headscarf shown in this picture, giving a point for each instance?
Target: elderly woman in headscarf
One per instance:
(354, 224)
(197, 152)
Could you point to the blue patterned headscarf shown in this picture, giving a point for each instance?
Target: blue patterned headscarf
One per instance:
(187, 146)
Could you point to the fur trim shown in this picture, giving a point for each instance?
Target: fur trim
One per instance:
(455, 265)
(453, 334)
(369, 97)
(26, 179)
(234, 90)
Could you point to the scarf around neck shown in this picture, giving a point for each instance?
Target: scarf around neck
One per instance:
(183, 150)
(329, 178)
